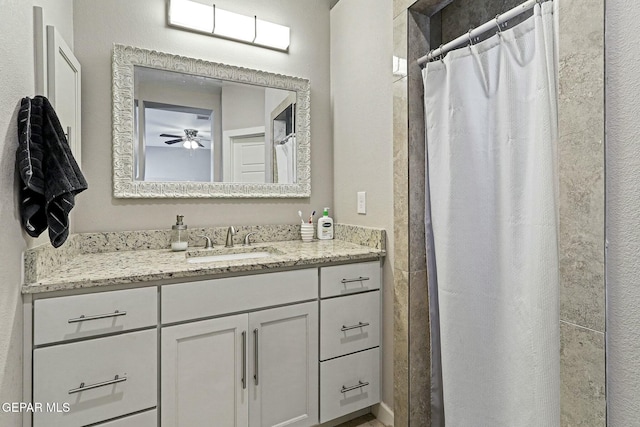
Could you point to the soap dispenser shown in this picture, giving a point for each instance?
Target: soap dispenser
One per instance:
(179, 235)
(325, 226)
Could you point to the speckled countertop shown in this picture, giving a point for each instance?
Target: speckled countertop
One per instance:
(82, 268)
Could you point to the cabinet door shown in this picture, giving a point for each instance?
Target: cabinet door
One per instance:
(284, 366)
(204, 373)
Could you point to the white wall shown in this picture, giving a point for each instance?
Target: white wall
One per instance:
(362, 112)
(142, 23)
(242, 107)
(623, 211)
(177, 164)
(16, 81)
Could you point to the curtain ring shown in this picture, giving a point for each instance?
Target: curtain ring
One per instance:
(441, 54)
(430, 55)
(469, 35)
(498, 24)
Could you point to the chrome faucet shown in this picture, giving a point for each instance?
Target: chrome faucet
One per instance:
(247, 240)
(230, 233)
(208, 244)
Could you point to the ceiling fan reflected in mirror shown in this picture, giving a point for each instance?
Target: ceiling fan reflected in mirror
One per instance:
(190, 139)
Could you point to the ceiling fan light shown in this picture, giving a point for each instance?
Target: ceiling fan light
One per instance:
(190, 144)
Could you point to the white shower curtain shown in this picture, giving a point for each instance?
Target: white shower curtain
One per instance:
(492, 228)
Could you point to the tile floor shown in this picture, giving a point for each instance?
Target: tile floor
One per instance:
(364, 421)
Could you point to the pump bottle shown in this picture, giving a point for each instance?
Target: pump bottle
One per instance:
(325, 226)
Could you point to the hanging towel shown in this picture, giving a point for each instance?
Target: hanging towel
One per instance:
(50, 175)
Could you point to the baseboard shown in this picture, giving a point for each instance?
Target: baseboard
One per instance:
(383, 413)
(346, 418)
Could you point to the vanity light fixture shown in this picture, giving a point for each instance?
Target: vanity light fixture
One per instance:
(195, 16)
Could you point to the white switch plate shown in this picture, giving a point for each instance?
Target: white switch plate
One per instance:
(362, 202)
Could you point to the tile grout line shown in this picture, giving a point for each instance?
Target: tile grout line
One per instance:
(581, 327)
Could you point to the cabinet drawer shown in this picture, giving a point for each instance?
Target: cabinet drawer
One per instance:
(349, 383)
(145, 419)
(214, 297)
(349, 324)
(59, 371)
(349, 278)
(79, 316)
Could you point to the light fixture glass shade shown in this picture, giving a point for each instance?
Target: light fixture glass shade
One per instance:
(234, 26)
(200, 17)
(272, 35)
(191, 14)
(190, 144)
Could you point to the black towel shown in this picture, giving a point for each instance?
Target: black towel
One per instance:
(50, 175)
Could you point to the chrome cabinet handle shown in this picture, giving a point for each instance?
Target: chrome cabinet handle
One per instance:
(354, 387)
(255, 356)
(115, 380)
(359, 279)
(359, 325)
(84, 318)
(244, 359)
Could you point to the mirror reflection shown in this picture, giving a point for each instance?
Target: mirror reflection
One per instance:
(190, 128)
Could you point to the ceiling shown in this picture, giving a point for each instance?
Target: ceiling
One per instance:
(174, 121)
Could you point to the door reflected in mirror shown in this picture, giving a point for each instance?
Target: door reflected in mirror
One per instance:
(191, 128)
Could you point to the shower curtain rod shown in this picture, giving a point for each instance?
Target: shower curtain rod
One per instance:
(466, 38)
(285, 139)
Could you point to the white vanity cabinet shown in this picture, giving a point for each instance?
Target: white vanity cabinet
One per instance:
(286, 348)
(257, 368)
(349, 338)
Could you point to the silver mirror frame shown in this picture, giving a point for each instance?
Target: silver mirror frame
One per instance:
(124, 184)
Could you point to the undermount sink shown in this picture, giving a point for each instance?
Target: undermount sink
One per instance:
(230, 255)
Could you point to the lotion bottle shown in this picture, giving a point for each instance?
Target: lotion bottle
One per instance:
(325, 226)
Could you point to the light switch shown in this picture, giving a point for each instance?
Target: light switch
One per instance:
(362, 202)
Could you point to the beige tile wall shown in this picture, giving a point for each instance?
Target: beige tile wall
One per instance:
(581, 170)
(581, 164)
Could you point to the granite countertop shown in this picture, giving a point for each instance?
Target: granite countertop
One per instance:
(86, 270)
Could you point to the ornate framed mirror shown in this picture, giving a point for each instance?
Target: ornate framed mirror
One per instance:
(189, 128)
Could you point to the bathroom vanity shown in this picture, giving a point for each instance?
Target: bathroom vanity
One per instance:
(145, 338)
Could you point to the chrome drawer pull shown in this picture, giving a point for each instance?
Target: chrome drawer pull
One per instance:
(98, 316)
(256, 365)
(359, 325)
(359, 279)
(354, 387)
(117, 379)
(244, 359)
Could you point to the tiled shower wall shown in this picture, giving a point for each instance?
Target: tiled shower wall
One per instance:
(424, 23)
